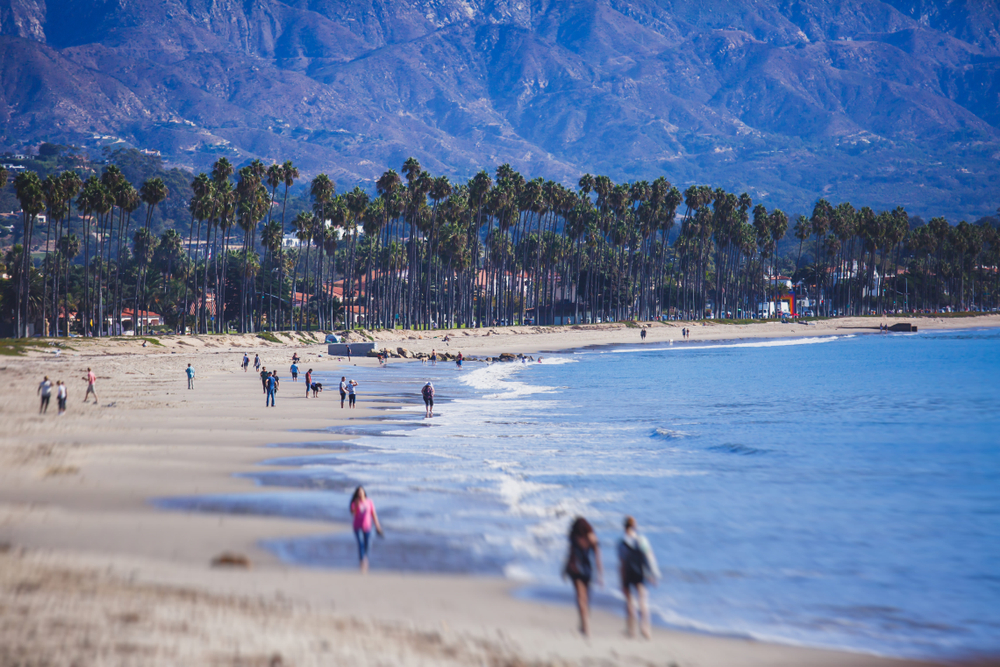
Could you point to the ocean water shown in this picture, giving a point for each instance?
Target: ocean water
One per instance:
(839, 492)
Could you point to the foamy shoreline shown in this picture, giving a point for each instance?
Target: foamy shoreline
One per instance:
(88, 553)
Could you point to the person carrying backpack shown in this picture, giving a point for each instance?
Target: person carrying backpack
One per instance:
(637, 565)
(428, 393)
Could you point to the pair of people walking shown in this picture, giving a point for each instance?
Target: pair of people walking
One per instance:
(636, 564)
(45, 391)
(270, 388)
(347, 391)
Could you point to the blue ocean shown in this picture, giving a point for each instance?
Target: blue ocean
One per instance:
(837, 491)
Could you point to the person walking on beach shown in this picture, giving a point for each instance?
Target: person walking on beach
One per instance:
(637, 567)
(271, 388)
(363, 511)
(263, 379)
(582, 544)
(309, 380)
(91, 386)
(61, 396)
(343, 390)
(348, 352)
(45, 389)
(428, 393)
(295, 372)
(246, 362)
(351, 396)
(642, 334)
(190, 375)
(434, 356)
(256, 362)
(458, 360)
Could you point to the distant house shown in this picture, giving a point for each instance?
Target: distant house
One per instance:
(146, 318)
(780, 281)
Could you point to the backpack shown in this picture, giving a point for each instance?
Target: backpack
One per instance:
(634, 562)
(426, 391)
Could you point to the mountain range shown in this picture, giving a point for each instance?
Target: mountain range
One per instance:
(877, 102)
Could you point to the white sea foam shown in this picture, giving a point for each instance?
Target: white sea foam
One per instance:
(498, 378)
(556, 361)
(761, 343)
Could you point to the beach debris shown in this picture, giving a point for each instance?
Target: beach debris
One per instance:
(229, 559)
(61, 470)
(403, 352)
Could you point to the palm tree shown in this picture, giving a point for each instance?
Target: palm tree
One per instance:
(152, 192)
(69, 247)
(271, 238)
(302, 224)
(31, 196)
(321, 189)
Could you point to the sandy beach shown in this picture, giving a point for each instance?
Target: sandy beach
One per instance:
(92, 573)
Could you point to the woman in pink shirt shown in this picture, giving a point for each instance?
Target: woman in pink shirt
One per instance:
(363, 510)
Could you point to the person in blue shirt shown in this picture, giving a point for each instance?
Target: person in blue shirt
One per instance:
(295, 372)
(190, 374)
(271, 383)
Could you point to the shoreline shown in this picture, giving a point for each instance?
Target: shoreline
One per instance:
(75, 515)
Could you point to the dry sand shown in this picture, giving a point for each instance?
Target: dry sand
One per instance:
(92, 574)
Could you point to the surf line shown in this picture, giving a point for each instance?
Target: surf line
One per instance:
(763, 343)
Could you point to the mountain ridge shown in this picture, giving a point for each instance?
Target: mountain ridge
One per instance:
(882, 102)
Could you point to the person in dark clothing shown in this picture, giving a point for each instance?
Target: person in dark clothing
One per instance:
(582, 544)
(638, 569)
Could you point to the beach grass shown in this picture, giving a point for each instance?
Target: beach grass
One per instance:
(16, 347)
(269, 337)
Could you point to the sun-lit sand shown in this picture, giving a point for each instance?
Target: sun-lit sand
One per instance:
(91, 573)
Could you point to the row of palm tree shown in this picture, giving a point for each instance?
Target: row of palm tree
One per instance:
(423, 252)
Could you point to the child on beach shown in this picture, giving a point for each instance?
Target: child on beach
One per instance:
(363, 511)
(637, 567)
(190, 376)
(582, 544)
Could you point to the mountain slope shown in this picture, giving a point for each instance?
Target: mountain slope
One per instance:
(882, 102)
